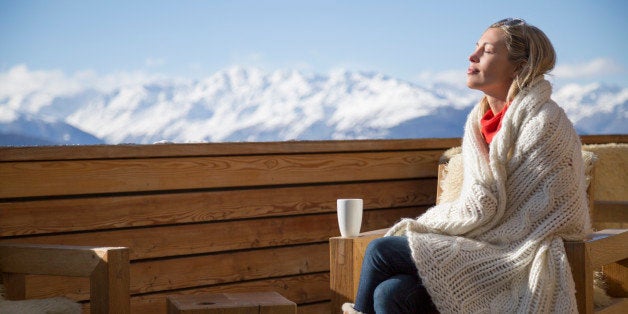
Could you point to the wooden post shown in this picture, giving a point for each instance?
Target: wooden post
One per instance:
(109, 282)
(346, 264)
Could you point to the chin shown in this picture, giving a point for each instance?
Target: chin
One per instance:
(471, 85)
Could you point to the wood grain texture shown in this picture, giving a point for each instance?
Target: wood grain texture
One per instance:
(104, 269)
(86, 152)
(33, 217)
(187, 239)
(610, 215)
(617, 278)
(316, 308)
(21, 179)
(48, 259)
(197, 271)
(578, 256)
(262, 302)
(301, 289)
(346, 255)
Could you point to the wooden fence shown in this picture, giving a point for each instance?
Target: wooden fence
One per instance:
(222, 217)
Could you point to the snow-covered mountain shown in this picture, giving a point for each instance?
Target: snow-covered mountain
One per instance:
(248, 104)
(25, 129)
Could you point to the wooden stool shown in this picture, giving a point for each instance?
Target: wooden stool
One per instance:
(231, 303)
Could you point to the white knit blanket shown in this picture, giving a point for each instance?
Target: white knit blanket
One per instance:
(498, 247)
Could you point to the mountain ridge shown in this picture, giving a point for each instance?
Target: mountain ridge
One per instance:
(249, 104)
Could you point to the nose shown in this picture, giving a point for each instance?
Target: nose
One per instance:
(474, 56)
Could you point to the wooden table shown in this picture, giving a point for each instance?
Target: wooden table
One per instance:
(231, 303)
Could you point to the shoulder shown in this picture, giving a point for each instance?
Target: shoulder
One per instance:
(551, 113)
(549, 125)
(535, 106)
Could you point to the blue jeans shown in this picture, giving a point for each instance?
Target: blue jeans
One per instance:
(389, 282)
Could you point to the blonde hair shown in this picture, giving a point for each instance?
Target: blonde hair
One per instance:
(529, 50)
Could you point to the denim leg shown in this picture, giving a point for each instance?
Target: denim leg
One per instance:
(385, 258)
(402, 294)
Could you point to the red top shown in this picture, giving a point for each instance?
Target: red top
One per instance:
(491, 123)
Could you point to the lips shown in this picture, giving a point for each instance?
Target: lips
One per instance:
(471, 70)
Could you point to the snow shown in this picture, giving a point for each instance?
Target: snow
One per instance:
(249, 104)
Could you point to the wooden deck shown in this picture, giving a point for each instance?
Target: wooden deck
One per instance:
(228, 217)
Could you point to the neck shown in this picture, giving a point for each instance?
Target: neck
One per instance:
(496, 104)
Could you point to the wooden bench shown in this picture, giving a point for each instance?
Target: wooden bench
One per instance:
(212, 218)
(106, 268)
(606, 250)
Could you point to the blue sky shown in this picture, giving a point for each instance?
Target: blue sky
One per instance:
(411, 40)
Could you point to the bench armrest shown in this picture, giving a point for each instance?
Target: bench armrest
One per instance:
(346, 255)
(106, 267)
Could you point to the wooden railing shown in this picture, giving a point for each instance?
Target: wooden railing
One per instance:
(212, 217)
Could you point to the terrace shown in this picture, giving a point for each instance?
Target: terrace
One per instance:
(221, 217)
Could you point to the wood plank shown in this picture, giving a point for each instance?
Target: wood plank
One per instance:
(189, 239)
(50, 259)
(316, 308)
(604, 139)
(97, 213)
(610, 215)
(617, 306)
(85, 152)
(578, 257)
(21, 179)
(109, 284)
(246, 302)
(307, 288)
(199, 270)
(617, 278)
(607, 246)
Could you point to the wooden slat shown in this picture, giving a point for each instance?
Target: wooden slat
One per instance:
(267, 302)
(201, 270)
(84, 152)
(94, 213)
(604, 139)
(607, 246)
(14, 286)
(316, 308)
(222, 149)
(617, 278)
(49, 259)
(610, 215)
(160, 174)
(617, 306)
(307, 288)
(216, 237)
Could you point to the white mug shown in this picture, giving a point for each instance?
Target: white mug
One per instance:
(349, 216)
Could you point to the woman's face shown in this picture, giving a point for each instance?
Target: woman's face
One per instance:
(490, 70)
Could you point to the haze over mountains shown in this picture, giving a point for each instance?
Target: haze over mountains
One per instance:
(249, 104)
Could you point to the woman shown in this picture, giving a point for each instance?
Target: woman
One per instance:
(496, 248)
